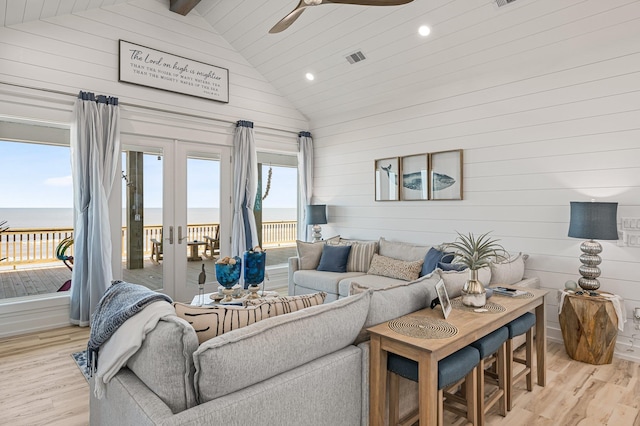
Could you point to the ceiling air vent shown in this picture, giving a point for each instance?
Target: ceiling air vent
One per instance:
(356, 57)
(504, 2)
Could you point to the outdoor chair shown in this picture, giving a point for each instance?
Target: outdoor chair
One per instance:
(156, 250)
(213, 244)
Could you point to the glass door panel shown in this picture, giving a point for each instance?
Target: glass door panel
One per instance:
(144, 247)
(201, 245)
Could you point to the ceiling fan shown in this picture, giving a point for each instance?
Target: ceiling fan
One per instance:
(295, 13)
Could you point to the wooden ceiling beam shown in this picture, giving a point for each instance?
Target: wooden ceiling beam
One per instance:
(183, 7)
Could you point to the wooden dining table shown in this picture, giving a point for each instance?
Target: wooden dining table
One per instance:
(468, 325)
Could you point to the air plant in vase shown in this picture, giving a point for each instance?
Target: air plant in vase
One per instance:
(475, 253)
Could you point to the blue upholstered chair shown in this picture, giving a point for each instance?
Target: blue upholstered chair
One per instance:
(460, 365)
(520, 325)
(492, 350)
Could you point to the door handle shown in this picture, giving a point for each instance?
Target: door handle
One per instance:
(170, 239)
(180, 237)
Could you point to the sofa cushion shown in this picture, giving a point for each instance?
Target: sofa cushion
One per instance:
(164, 362)
(321, 280)
(212, 321)
(309, 254)
(374, 282)
(432, 258)
(454, 280)
(334, 258)
(402, 251)
(400, 299)
(395, 268)
(508, 271)
(276, 345)
(288, 304)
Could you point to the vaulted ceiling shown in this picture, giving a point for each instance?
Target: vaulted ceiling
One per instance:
(468, 38)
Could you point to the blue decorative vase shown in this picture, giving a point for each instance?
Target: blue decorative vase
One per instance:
(254, 264)
(228, 274)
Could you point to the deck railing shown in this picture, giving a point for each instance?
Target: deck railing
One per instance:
(38, 245)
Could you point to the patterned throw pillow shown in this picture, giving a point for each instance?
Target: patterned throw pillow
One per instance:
(395, 268)
(209, 322)
(284, 305)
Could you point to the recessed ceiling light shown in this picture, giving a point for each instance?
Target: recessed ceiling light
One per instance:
(310, 76)
(424, 30)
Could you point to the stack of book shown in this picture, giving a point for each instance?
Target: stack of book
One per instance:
(511, 292)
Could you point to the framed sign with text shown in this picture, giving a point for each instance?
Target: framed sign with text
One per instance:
(160, 70)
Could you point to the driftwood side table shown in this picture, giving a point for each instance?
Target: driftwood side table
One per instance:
(589, 328)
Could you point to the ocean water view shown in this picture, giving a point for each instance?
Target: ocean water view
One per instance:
(18, 218)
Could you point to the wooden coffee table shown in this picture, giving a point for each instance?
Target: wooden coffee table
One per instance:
(428, 351)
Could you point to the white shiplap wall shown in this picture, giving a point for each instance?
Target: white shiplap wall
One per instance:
(559, 125)
(44, 64)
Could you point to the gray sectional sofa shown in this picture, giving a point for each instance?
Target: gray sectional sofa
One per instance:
(306, 367)
(304, 278)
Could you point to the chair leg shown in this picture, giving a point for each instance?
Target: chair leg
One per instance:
(502, 378)
(470, 387)
(529, 359)
(480, 392)
(509, 363)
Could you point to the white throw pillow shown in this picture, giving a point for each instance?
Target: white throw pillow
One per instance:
(509, 271)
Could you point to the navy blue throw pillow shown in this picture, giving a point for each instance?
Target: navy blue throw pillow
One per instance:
(452, 266)
(334, 258)
(432, 258)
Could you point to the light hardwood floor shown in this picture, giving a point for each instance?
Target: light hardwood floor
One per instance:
(41, 385)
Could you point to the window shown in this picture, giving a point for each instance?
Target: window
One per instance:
(37, 205)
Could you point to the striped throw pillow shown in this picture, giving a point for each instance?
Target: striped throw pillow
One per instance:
(209, 322)
(284, 305)
(361, 255)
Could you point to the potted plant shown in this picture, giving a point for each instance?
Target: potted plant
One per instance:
(475, 253)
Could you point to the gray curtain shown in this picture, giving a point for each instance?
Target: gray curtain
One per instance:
(244, 234)
(95, 147)
(305, 176)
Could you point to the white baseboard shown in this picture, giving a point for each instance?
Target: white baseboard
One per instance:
(28, 315)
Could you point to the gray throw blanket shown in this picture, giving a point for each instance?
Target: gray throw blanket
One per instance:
(120, 302)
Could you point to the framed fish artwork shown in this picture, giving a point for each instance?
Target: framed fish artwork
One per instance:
(387, 174)
(445, 175)
(415, 177)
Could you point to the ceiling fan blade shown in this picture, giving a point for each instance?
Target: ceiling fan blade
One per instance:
(370, 2)
(286, 22)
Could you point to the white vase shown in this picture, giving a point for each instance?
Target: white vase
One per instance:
(473, 292)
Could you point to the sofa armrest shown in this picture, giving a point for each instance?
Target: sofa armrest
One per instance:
(293, 267)
(533, 282)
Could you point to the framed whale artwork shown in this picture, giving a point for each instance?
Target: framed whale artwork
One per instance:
(387, 174)
(415, 177)
(445, 175)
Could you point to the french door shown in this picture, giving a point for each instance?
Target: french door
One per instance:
(174, 220)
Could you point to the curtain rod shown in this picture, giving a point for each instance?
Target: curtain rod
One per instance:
(75, 95)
